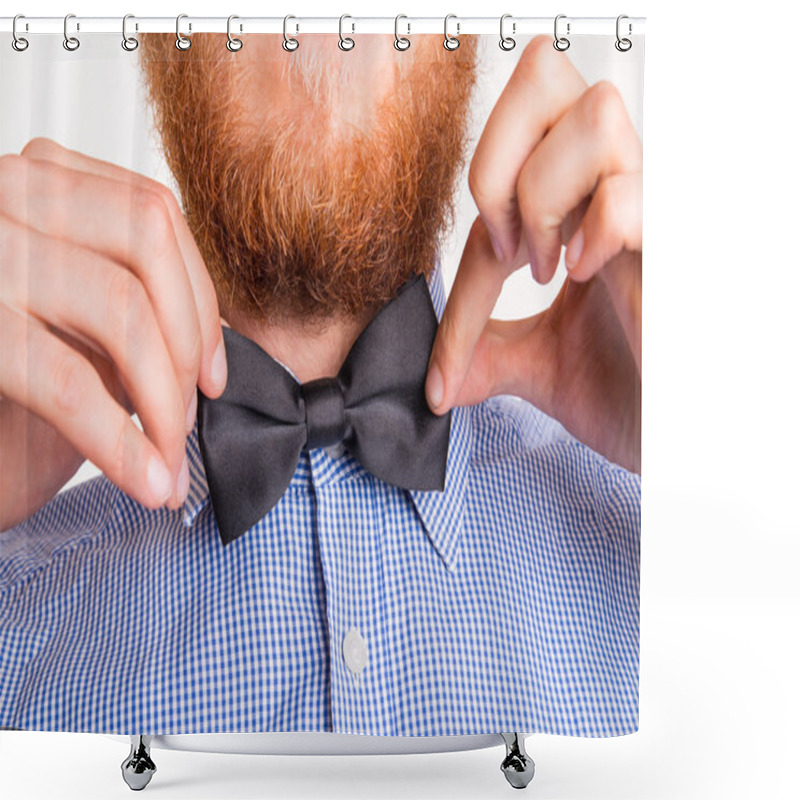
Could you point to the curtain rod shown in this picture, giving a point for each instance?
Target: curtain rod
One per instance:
(515, 26)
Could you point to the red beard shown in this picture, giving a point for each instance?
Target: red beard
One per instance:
(296, 216)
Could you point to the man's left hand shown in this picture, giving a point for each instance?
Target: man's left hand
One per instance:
(559, 162)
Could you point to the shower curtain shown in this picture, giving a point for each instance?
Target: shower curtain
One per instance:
(248, 485)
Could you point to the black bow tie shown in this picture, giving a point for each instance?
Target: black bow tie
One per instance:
(252, 435)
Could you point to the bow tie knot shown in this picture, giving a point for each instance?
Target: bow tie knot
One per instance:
(326, 424)
(251, 437)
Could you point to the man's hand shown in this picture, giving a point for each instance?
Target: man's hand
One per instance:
(558, 162)
(106, 308)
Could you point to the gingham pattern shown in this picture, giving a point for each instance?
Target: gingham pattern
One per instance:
(507, 602)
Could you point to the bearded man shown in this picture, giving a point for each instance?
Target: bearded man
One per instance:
(450, 561)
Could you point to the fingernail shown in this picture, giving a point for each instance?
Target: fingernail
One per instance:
(219, 366)
(434, 387)
(191, 412)
(159, 480)
(183, 481)
(574, 250)
(498, 251)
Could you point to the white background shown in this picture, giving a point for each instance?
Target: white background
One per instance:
(720, 538)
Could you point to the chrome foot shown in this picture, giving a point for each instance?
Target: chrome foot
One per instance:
(517, 766)
(138, 768)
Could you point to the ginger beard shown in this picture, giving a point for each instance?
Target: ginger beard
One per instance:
(307, 200)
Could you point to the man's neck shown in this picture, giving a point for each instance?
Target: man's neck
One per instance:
(309, 351)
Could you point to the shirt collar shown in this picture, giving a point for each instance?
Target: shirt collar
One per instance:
(441, 513)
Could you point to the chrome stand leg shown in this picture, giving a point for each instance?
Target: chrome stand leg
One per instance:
(138, 768)
(517, 766)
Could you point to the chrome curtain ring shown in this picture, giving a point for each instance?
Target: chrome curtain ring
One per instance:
(19, 43)
(401, 42)
(290, 44)
(506, 42)
(129, 43)
(450, 42)
(561, 43)
(71, 43)
(181, 42)
(233, 44)
(623, 45)
(345, 42)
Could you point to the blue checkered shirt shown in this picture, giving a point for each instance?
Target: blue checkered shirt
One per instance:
(509, 601)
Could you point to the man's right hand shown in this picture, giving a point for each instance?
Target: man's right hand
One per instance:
(106, 308)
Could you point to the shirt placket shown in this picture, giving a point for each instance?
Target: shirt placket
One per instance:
(349, 527)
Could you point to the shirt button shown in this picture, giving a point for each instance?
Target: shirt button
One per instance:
(354, 650)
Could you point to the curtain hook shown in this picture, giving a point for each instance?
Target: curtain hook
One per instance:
(290, 44)
(233, 44)
(71, 43)
(623, 45)
(561, 43)
(19, 43)
(129, 43)
(345, 42)
(506, 42)
(401, 42)
(450, 42)
(182, 42)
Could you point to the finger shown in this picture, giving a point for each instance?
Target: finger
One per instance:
(41, 373)
(99, 359)
(593, 140)
(121, 219)
(128, 224)
(609, 243)
(542, 87)
(100, 302)
(475, 291)
(213, 370)
(612, 223)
